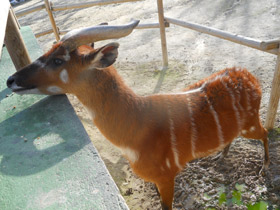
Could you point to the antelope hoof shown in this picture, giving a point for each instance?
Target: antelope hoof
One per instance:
(263, 170)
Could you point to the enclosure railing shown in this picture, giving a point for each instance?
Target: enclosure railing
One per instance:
(269, 46)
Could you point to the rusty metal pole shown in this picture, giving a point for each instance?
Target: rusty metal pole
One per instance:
(15, 44)
(162, 33)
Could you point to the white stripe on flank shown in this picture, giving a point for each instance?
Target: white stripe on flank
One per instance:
(236, 112)
(193, 129)
(173, 144)
(215, 115)
(168, 163)
(248, 100)
(240, 108)
(187, 92)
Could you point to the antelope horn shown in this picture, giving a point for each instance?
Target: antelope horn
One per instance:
(78, 37)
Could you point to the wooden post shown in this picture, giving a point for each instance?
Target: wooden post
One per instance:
(55, 30)
(14, 43)
(162, 33)
(274, 96)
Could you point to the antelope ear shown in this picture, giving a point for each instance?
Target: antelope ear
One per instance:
(105, 56)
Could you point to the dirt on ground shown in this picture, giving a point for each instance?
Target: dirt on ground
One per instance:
(205, 183)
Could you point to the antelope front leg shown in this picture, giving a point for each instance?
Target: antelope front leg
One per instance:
(166, 190)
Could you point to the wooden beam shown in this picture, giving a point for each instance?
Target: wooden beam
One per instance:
(15, 44)
(162, 33)
(55, 30)
(249, 42)
(49, 31)
(89, 4)
(4, 12)
(270, 44)
(30, 10)
(274, 96)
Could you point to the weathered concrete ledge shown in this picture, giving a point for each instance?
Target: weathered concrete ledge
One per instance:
(47, 160)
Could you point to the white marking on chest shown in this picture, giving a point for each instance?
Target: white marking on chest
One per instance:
(130, 154)
(54, 89)
(174, 144)
(64, 76)
(90, 112)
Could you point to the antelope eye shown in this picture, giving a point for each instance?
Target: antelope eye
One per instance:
(57, 61)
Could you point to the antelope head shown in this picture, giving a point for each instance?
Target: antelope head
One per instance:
(54, 72)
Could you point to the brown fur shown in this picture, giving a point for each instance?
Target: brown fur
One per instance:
(158, 126)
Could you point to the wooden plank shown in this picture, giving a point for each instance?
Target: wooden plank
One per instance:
(15, 44)
(89, 4)
(270, 44)
(162, 33)
(274, 96)
(4, 11)
(55, 30)
(41, 158)
(249, 42)
(30, 10)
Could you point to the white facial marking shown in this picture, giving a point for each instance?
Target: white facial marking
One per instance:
(64, 76)
(39, 63)
(17, 90)
(174, 144)
(30, 91)
(54, 89)
(66, 56)
(252, 129)
(130, 154)
(161, 168)
(168, 163)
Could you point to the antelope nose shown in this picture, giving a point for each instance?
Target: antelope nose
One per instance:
(10, 81)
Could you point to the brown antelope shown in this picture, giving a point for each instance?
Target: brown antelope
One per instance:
(158, 134)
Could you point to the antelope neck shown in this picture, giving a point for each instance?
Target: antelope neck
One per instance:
(113, 105)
